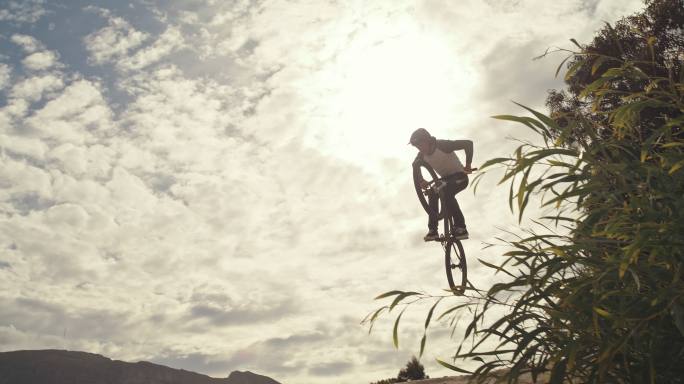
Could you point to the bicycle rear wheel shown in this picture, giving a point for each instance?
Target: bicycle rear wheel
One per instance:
(454, 261)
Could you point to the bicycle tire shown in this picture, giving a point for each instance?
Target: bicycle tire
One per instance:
(417, 176)
(453, 251)
(452, 268)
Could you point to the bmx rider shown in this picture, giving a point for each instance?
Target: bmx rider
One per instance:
(440, 155)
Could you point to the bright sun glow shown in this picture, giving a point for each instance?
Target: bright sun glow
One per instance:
(382, 87)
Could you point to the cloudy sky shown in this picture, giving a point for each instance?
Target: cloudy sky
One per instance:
(225, 185)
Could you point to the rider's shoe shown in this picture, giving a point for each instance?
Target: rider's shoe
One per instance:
(460, 233)
(431, 235)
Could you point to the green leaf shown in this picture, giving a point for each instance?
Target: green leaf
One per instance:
(678, 315)
(636, 279)
(452, 309)
(497, 268)
(650, 41)
(510, 195)
(395, 335)
(613, 72)
(676, 167)
(573, 68)
(561, 65)
(542, 153)
(602, 312)
(453, 367)
(387, 294)
(591, 88)
(401, 297)
(475, 355)
(597, 64)
(672, 144)
(530, 122)
(491, 162)
(471, 327)
(373, 317)
(429, 316)
(624, 264)
(576, 43)
(543, 118)
(521, 193)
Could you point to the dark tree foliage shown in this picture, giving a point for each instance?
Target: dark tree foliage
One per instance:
(653, 40)
(414, 370)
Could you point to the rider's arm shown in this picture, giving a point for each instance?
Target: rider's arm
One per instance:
(416, 163)
(455, 145)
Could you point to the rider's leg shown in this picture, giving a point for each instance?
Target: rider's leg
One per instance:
(459, 220)
(452, 190)
(433, 200)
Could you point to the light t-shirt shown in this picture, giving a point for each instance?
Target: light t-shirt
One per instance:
(444, 163)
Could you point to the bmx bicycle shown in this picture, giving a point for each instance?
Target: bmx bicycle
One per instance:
(454, 255)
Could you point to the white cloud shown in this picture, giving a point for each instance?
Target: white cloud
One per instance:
(76, 189)
(40, 60)
(34, 88)
(29, 147)
(70, 215)
(127, 188)
(15, 108)
(20, 179)
(28, 43)
(10, 335)
(169, 41)
(71, 158)
(188, 17)
(76, 116)
(113, 41)
(613, 10)
(5, 75)
(25, 11)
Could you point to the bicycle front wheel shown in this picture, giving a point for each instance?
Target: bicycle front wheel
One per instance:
(423, 171)
(456, 267)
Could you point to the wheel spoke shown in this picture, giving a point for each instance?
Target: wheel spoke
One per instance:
(456, 267)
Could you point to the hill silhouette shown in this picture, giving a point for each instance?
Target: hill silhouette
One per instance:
(71, 367)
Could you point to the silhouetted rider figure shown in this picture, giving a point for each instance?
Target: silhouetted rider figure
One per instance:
(439, 154)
